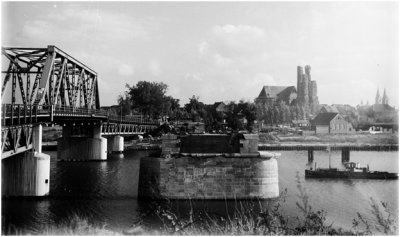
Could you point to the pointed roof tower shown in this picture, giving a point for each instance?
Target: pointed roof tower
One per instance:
(385, 99)
(378, 99)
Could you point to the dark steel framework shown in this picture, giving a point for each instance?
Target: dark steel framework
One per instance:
(49, 76)
(51, 87)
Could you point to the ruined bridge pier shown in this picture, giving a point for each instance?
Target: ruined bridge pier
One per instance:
(212, 166)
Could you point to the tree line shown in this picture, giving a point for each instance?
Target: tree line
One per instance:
(151, 100)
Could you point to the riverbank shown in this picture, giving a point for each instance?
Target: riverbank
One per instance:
(51, 134)
(337, 139)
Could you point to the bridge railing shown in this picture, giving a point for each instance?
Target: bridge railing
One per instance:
(74, 111)
(17, 114)
(20, 113)
(133, 120)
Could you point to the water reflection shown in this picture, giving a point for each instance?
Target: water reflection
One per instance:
(115, 156)
(105, 192)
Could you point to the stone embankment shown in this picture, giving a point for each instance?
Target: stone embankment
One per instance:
(324, 146)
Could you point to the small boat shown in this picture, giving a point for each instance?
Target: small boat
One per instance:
(351, 170)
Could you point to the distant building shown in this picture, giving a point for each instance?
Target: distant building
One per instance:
(305, 95)
(301, 123)
(328, 109)
(272, 94)
(330, 123)
(220, 107)
(381, 100)
(306, 90)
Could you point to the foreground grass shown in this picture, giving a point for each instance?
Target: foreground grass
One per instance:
(249, 218)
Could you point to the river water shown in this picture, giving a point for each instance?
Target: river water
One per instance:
(106, 192)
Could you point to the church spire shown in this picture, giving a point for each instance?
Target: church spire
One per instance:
(385, 99)
(378, 99)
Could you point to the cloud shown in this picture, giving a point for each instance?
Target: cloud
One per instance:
(125, 70)
(154, 67)
(235, 59)
(96, 37)
(264, 79)
(203, 48)
(240, 38)
(75, 25)
(221, 61)
(193, 77)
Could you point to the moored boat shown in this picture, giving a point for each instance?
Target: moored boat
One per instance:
(351, 170)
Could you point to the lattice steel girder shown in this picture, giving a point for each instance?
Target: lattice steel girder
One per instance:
(15, 139)
(55, 69)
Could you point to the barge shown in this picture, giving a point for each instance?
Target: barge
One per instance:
(351, 170)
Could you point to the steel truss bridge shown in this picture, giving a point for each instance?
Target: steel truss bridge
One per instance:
(46, 85)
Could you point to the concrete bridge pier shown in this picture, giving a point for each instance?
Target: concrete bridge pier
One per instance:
(310, 154)
(345, 155)
(82, 143)
(27, 174)
(115, 144)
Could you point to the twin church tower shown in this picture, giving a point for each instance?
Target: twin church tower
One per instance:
(306, 89)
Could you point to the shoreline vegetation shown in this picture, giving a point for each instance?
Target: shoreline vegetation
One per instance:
(249, 218)
(353, 138)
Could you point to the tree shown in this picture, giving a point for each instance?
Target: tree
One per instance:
(149, 99)
(249, 111)
(124, 104)
(195, 108)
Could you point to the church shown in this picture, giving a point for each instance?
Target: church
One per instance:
(305, 95)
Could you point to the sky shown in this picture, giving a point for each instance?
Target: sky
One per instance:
(221, 51)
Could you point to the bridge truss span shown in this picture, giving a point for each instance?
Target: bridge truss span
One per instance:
(46, 87)
(48, 76)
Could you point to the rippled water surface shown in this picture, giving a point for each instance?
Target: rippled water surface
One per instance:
(106, 192)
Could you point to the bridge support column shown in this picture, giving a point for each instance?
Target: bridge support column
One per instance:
(311, 154)
(115, 144)
(345, 155)
(82, 143)
(27, 174)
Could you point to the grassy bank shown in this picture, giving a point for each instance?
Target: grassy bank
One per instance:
(355, 138)
(249, 218)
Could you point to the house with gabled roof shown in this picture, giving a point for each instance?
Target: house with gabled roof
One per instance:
(220, 107)
(330, 123)
(328, 109)
(271, 94)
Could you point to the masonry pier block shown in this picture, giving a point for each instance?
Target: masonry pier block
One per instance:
(115, 144)
(210, 167)
(27, 174)
(82, 144)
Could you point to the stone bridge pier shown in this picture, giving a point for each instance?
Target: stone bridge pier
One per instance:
(28, 173)
(82, 142)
